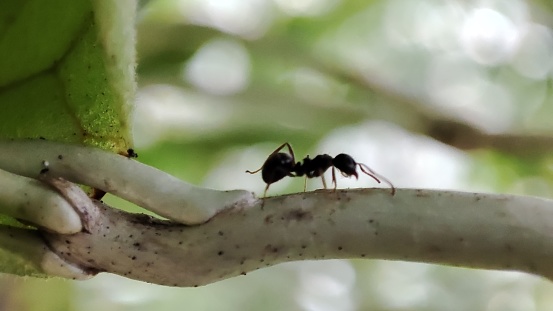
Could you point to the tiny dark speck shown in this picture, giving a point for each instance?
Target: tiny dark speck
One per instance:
(220, 253)
(133, 257)
(340, 248)
(136, 244)
(221, 233)
(60, 157)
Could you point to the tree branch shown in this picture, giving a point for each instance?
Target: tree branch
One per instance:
(486, 231)
(143, 185)
(30, 200)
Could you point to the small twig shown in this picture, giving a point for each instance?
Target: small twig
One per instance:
(143, 185)
(31, 201)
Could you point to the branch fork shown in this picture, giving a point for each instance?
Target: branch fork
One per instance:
(232, 233)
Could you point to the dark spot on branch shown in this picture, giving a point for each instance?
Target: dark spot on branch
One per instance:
(271, 249)
(60, 157)
(340, 248)
(299, 215)
(269, 219)
(220, 253)
(221, 233)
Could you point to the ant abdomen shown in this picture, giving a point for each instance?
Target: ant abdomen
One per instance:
(277, 167)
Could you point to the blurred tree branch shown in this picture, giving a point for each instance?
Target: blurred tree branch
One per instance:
(383, 100)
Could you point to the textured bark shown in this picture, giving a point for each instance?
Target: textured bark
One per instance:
(452, 228)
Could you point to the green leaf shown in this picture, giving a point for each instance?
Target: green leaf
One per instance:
(67, 71)
(66, 74)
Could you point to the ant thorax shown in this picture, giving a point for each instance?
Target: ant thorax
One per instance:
(313, 167)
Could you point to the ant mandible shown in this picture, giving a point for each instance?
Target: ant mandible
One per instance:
(279, 165)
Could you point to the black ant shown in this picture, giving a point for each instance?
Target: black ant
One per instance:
(131, 153)
(279, 165)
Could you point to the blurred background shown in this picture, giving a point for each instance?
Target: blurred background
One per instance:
(430, 94)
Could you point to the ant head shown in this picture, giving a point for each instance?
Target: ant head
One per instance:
(346, 164)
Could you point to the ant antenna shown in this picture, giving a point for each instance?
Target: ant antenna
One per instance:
(367, 170)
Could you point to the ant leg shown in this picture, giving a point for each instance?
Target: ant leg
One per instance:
(289, 149)
(334, 178)
(367, 170)
(324, 182)
(276, 150)
(250, 172)
(265, 192)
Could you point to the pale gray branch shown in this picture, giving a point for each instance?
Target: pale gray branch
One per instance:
(453, 228)
(143, 185)
(33, 201)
